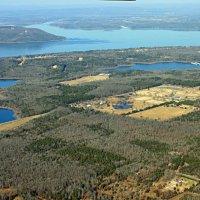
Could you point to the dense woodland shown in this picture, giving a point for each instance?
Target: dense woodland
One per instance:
(154, 21)
(66, 153)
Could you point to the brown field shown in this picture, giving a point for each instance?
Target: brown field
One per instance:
(17, 123)
(176, 185)
(86, 79)
(2, 96)
(170, 93)
(190, 194)
(180, 183)
(147, 98)
(162, 113)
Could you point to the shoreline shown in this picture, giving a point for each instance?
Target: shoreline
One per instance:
(28, 42)
(121, 28)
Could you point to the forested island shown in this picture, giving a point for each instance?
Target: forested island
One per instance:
(62, 148)
(135, 23)
(15, 34)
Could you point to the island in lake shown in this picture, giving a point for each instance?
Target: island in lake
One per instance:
(15, 34)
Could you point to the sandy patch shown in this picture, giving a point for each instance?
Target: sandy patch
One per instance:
(86, 79)
(162, 113)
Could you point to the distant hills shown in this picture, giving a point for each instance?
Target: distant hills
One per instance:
(15, 34)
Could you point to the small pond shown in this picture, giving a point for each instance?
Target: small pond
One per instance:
(7, 83)
(7, 115)
(122, 106)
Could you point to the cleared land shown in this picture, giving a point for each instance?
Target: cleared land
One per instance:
(2, 96)
(141, 104)
(170, 93)
(17, 123)
(176, 185)
(86, 79)
(163, 113)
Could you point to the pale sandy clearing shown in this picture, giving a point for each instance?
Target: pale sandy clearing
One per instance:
(162, 113)
(2, 96)
(86, 79)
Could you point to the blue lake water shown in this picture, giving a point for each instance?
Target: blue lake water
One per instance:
(122, 106)
(7, 83)
(83, 40)
(158, 66)
(7, 115)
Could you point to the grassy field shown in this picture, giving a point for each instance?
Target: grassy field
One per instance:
(86, 79)
(2, 96)
(162, 113)
(149, 103)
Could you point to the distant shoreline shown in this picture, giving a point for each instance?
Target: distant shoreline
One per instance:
(152, 63)
(43, 41)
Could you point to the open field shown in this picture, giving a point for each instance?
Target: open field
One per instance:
(163, 113)
(141, 104)
(86, 79)
(170, 93)
(17, 123)
(2, 96)
(180, 183)
(194, 196)
(170, 188)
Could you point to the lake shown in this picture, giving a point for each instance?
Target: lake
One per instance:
(158, 66)
(84, 40)
(7, 115)
(7, 83)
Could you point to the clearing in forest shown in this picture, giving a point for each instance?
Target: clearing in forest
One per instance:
(161, 103)
(86, 79)
(2, 96)
(163, 113)
(171, 188)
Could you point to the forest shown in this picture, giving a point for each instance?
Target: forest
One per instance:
(75, 153)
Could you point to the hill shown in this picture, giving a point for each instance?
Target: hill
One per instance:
(13, 34)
